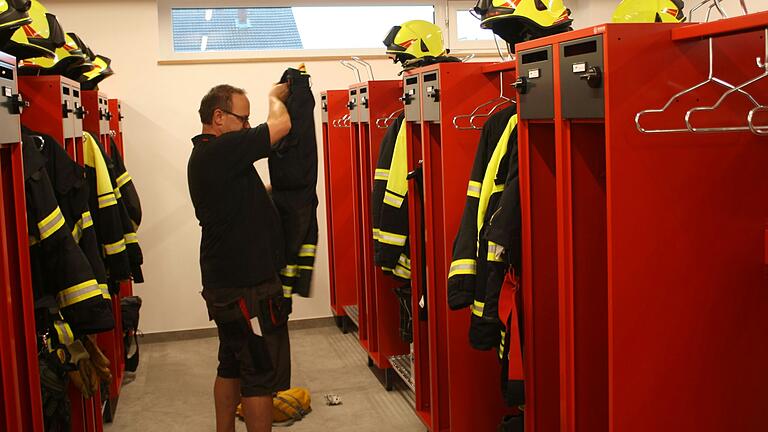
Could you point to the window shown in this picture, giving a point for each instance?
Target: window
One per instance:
(275, 29)
(191, 30)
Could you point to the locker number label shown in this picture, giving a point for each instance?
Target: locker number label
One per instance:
(534, 73)
(412, 92)
(579, 67)
(7, 92)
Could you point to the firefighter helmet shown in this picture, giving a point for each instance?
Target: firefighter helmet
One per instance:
(516, 21)
(647, 11)
(13, 14)
(40, 38)
(101, 71)
(415, 39)
(69, 62)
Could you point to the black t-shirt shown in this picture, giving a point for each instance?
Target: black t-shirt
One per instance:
(242, 242)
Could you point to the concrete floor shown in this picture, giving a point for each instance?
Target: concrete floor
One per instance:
(172, 390)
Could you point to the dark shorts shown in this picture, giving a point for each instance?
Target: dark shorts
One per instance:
(261, 360)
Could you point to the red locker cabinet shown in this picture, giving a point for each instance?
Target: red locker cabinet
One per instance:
(375, 101)
(337, 159)
(434, 95)
(97, 122)
(661, 286)
(55, 108)
(20, 405)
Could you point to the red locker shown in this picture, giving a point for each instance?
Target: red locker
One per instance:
(337, 153)
(376, 100)
(434, 95)
(20, 404)
(661, 276)
(55, 108)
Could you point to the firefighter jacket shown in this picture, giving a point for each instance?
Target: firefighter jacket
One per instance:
(473, 256)
(106, 213)
(130, 209)
(293, 175)
(391, 250)
(60, 269)
(69, 185)
(390, 204)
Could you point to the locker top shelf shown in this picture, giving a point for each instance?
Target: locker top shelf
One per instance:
(501, 67)
(740, 24)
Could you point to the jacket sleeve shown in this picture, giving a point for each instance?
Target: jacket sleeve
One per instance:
(71, 279)
(394, 225)
(125, 185)
(105, 211)
(381, 176)
(463, 270)
(505, 225)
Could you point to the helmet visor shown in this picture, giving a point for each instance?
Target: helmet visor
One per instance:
(389, 41)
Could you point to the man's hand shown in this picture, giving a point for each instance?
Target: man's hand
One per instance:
(280, 91)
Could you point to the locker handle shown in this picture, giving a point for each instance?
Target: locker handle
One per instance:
(65, 110)
(521, 84)
(351, 105)
(365, 102)
(407, 98)
(594, 77)
(18, 104)
(80, 112)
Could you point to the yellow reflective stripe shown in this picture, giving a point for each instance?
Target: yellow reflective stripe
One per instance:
(115, 248)
(393, 200)
(123, 179)
(118, 195)
(290, 271)
(86, 220)
(398, 170)
(387, 269)
(375, 233)
(107, 200)
(50, 224)
(478, 308)
(64, 332)
(287, 291)
(307, 250)
(78, 293)
(489, 179)
(495, 252)
(498, 188)
(77, 232)
(474, 188)
(105, 291)
(310, 268)
(463, 267)
(402, 272)
(392, 238)
(381, 174)
(131, 238)
(404, 261)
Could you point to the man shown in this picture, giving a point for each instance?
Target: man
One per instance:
(241, 253)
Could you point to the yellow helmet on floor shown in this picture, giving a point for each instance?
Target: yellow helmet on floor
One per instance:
(101, 71)
(13, 14)
(415, 39)
(40, 38)
(520, 20)
(648, 11)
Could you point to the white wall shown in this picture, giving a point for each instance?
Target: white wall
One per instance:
(160, 105)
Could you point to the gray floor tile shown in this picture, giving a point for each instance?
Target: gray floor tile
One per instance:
(172, 391)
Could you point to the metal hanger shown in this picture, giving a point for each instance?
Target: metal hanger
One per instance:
(757, 130)
(352, 67)
(498, 101)
(762, 63)
(710, 78)
(39, 142)
(715, 4)
(341, 122)
(383, 123)
(367, 66)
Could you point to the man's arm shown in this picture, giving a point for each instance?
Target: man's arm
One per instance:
(278, 121)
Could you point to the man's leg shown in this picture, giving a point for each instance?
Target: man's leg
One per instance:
(258, 413)
(226, 394)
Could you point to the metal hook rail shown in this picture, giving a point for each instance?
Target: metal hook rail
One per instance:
(384, 122)
(352, 67)
(499, 101)
(367, 65)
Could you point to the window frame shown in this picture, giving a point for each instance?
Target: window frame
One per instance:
(457, 46)
(168, 56)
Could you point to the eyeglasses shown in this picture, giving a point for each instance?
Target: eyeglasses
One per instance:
(243, 119)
